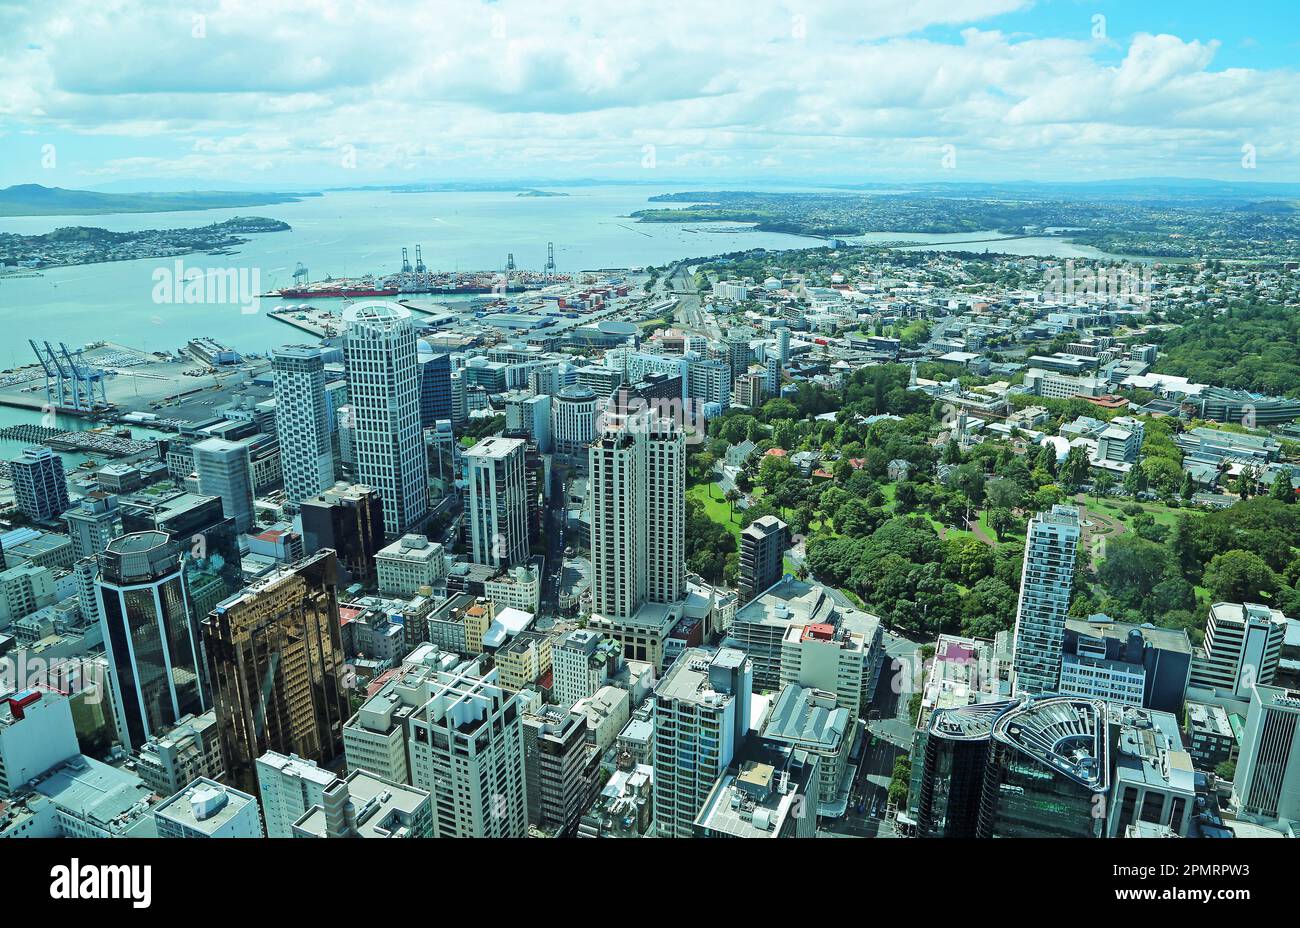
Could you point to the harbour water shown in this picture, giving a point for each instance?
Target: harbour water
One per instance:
(356, 232)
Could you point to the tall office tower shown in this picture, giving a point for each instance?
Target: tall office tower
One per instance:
(435, 386)
(349, 520)
(709, 381)
(208, 809)
(1045, 585)
(1243, 644)
(345, 432)
(701, 716)
(497, 502)
(953, 763)
(86, 570)
(534, 481)
(772, 375)
(783, 345)
(3, 562)
(384, 389)
(93, 523)
(224, 471)
(302, 421)
(152, 645)
(560, 769)
(529, 416)
(40, 487)
(573, 420)
(459, 399)
(1037, 767)
(762, 556)
(638, 515)
(289, 787)
(738, 354)
(1267, 784)
(616, 463)
(275, 660)
(467, 749)
(665, 501)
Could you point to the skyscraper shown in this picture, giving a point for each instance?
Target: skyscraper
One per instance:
(701, 717)
(275, 659)
(302, 421)
(638, 515)
(1045, 585)
(151, 643)
(384, 392)
(435, 386)
(498, 502)
(1267, 785)
(349, 520)
(40, 487)
(560, 767)
(467, 748)
(223, 468)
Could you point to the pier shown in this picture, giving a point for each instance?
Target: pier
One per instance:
(62, 440)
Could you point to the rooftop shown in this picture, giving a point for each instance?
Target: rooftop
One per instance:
(205, 805)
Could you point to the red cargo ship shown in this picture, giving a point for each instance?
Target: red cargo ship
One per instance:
(325, 292)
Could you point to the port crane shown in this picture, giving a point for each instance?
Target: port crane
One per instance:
(510, 261)
(419, 261)
(300, 275)
(406, 262)
(69, 383)
(550, 260)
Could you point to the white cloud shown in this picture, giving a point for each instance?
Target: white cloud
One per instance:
(277, 87)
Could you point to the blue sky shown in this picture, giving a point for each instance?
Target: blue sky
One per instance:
(333, 93)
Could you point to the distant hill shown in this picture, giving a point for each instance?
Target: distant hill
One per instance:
(35, 200)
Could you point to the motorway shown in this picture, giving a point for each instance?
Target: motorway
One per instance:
(690, 316)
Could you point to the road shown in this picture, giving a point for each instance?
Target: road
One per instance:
(888, 735)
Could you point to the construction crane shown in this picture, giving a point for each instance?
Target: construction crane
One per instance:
(406, 263)
(550, 260)
(419, 261)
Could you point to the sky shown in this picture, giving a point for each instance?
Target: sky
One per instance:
(122, 94)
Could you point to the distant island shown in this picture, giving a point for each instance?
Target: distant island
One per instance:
(91, 245)
(35, 200)
(540, 193)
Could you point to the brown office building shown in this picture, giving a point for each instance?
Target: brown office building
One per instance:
(350, 521)
(276, 665)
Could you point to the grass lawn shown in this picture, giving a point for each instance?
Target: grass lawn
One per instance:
(1115, 509)
(715, 507)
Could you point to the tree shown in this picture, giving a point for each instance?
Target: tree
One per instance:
(1281, 489)
(1047, 459)
(1239, 577)
(1002, 493)
(1001, 521)
(970, 480)
(1076, 468)
(1135, 481)
(733, 496)
(1188, 488)
(1132, 568)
